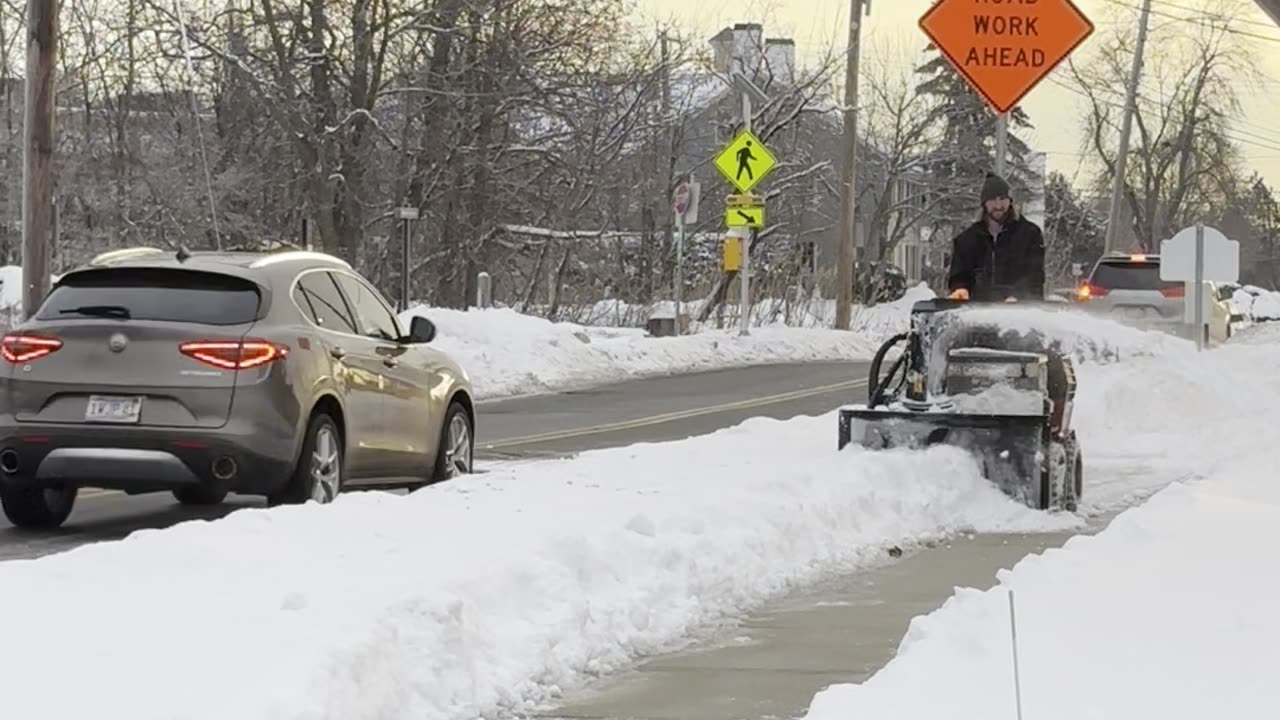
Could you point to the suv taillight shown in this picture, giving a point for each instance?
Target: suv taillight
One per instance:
(1089, 290)
(234, 354)
(19, 348)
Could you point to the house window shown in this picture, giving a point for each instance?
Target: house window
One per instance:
(809, 257)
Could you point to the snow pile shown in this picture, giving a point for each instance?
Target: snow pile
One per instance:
(1001, 400)
(1085, 336)
(1257, 304)
(487, 593)
(507, 353)
(875, 321)
(1260, 334)
(1136, 621)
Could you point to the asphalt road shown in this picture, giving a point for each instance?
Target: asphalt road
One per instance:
(647, 410)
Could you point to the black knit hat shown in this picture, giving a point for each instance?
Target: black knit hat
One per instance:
(994, 187)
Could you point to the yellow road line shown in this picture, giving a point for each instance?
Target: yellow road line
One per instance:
(673, 416)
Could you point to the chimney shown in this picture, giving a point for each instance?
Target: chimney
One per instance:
(748, 48)
(722, 50)
(780, 60)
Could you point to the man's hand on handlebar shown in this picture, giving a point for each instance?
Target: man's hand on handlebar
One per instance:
(959, 294)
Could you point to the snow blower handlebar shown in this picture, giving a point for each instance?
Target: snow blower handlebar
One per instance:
(876, 386)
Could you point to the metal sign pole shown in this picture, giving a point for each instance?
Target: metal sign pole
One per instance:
(404, 273)
(406, 214)
(679, 283)
(745, 272)
(1199, 290)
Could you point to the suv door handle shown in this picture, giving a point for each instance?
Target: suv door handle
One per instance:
(390, 362)
(337, 352)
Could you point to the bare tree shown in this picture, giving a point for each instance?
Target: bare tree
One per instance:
(1182, 159)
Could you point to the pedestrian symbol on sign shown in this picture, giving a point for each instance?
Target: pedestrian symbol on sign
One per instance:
(745, 161)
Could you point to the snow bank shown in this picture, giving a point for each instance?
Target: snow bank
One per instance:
(1168, 613)
(507, 353)
(1258, 304)
(1260, 334)
(486, 593)
(877, 321)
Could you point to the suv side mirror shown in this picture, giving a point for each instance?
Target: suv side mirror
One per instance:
(421, 330)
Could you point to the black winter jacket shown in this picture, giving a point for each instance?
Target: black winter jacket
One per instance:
(993, 270)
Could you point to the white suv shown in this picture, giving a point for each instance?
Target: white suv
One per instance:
(1129, 289)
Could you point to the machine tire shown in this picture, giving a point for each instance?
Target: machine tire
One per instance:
(38, 508)
(199, 496)
(1079, 474)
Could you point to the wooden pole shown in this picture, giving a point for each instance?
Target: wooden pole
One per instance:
(38, 170)
(1114, 212)
(846, 250)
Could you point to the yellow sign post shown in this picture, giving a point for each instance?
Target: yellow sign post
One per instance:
(732, 258)
(745, 161)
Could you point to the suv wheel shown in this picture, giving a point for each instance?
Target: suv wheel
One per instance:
(456, 446)
(38, 508)
(321, 466)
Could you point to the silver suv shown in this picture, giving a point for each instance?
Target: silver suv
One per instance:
(202, 374)
(1129, 288)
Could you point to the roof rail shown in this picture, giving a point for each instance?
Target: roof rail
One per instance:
(122, 254)
(288, 255)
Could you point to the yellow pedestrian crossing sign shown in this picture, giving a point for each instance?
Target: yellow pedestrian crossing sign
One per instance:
(745, 161)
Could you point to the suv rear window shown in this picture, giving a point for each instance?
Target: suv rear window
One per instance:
(161, 294)
(1130, 276)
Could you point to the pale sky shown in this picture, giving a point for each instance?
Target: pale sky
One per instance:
(1055, 111)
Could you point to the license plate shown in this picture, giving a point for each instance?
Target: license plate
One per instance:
(113, 409)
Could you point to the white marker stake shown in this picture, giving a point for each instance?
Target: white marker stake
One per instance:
(1013, 636)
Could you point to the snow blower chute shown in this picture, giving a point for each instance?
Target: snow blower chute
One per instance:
(1005, 396)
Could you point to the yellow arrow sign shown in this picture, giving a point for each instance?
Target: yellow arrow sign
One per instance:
(745, 161)
(744, 217)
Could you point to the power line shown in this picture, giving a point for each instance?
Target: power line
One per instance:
(1229, 134)
(1216, 22)
(1201, 11)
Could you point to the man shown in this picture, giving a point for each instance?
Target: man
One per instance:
(1001, 255)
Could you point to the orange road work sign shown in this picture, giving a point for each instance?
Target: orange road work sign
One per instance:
(1004, 48)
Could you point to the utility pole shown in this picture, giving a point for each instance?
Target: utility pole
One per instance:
(1126, 127)
(38, 169)
(846, 251)
(1002, 143)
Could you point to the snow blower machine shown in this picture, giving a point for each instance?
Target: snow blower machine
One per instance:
(1004, 395)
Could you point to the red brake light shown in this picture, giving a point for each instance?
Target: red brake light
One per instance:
(19, 348)
(1089, 290)
(1174, 291)
(234, 354)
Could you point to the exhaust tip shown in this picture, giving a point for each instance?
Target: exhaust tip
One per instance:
(224, 468)
(9, 461)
